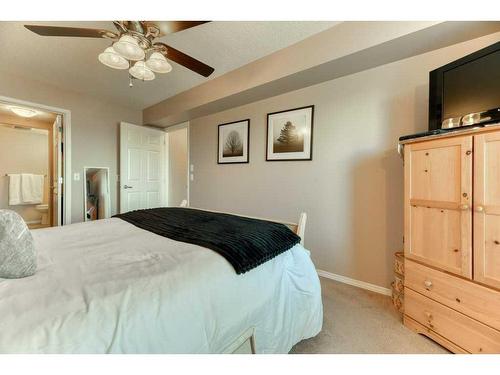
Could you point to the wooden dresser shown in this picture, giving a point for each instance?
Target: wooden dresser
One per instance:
(452, 239)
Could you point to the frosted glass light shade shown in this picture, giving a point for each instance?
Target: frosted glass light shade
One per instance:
(112, 59)
(158, 63)
(129, 48)
(141, 71)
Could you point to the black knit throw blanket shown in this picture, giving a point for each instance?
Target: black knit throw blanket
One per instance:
(245, 243)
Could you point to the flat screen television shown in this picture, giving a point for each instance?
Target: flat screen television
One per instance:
(468, 85)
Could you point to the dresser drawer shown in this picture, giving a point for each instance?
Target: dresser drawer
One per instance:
(463, 331)
(474, 300)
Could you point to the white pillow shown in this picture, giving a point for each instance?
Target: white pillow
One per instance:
(17, 250)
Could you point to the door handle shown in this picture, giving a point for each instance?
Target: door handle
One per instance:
(127, 187)
(479, 208)
(464, 207)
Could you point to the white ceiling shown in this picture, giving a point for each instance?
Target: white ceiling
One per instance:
(71, 63)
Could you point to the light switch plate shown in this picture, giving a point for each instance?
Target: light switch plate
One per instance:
(76, 176)
(191, 168)
(191, 177)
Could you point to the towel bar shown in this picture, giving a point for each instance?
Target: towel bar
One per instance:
(21, 173)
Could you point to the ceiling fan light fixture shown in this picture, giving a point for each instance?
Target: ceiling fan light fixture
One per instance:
(129, 48)
(141, 71)
(158, 63)
(23, 112)
(112, 59)
(132, 41)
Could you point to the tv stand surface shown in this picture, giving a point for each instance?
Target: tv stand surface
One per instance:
(443, 133)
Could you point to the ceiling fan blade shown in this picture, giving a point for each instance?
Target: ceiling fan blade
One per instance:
(185, 60)
(71, 32)
(169, 27)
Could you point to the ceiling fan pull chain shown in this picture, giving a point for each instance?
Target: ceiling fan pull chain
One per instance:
(130, 83)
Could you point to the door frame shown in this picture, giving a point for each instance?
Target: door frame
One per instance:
(66, 125)
(182, 125)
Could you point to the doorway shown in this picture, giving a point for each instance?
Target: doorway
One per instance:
(32, 162)
(177, 154)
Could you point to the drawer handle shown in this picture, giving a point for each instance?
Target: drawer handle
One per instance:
(428, 315)
(428, 284)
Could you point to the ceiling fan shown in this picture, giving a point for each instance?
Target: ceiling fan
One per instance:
(132, 43)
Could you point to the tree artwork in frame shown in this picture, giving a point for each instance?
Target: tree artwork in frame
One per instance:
(233, 142)
(289, 134)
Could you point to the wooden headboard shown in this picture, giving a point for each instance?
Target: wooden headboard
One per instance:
(298, 228)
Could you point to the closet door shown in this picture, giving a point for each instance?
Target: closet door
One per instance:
(438, 216)
(142, 171)
(487, 209)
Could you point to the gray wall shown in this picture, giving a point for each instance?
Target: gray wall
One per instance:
(352, 190)
(94, 127)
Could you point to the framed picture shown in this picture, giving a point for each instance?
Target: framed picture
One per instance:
(233, 142)
(289, 134)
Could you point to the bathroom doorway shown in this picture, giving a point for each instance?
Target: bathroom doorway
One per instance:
(32, 163)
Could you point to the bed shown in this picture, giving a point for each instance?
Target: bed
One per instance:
(108, 286)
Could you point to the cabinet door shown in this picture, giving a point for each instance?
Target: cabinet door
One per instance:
(487, 208)
(438, 196)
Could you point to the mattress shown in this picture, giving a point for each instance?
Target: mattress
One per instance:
(109, 287)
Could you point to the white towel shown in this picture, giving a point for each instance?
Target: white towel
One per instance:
(32, 188)
(15, 196)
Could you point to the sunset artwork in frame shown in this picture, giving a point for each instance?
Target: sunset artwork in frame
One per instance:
(289, 134)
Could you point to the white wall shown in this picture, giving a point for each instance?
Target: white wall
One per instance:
(95, 130)
(352, 190)
(23, 151)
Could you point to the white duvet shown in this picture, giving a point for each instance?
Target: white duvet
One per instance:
(109, 287)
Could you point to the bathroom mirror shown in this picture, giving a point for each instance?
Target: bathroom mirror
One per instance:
(97, 203)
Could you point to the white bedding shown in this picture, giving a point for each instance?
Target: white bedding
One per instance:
(109, 287)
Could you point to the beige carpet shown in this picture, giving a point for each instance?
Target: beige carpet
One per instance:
(358, 321)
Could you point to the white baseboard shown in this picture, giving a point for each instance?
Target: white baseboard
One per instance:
(353, 282)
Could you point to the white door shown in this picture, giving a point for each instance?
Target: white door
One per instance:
(142, 176)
